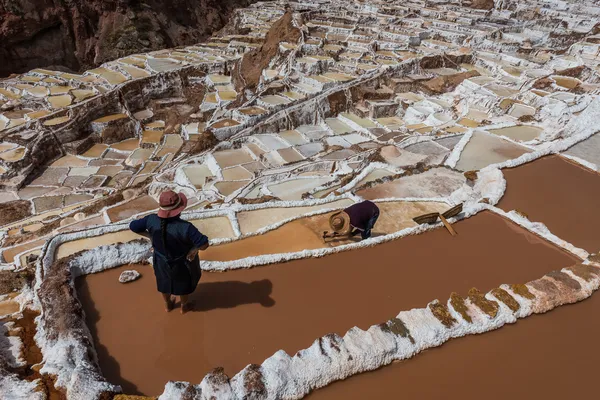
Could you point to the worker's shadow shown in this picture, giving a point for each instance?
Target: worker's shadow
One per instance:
(212, 295)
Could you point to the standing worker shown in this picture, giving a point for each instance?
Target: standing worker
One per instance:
(358, 218)
(176, 243)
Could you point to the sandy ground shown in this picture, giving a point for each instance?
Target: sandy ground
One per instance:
(245, 316)
(559, 193)
(560, 363)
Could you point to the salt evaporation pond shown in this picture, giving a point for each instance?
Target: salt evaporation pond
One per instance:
(551, 366)
(244, 316)
(523, 133)
(561, 194)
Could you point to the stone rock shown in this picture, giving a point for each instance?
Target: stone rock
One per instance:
(129, 276)
(81, 35)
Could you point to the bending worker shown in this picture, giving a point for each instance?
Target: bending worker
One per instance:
(176, 243)
(358, 218)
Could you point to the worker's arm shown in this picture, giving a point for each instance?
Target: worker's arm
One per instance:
(199, 240)
(140, 227)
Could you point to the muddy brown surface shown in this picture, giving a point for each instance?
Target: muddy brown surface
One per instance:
(520, 361)
(245, 316)
(561, 194)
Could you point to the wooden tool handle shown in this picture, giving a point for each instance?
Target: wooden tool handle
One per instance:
(448, 226)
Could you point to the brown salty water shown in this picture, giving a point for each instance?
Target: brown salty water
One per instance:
(552, 356)
(245, 316)
(559, 193)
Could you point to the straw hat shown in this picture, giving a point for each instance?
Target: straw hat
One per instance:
(171, 204)
(340, 222)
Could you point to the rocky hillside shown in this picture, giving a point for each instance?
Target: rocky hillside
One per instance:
(82, 34)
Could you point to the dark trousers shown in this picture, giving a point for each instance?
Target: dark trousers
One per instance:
(366, 233)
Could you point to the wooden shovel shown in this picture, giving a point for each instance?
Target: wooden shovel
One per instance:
(432, 218)
(447, 225)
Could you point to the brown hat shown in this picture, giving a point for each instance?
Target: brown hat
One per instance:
(171, 204)
(340, 222)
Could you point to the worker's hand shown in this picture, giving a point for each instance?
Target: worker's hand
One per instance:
(192, 255)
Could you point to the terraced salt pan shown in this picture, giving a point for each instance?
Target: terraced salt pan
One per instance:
(523, 133)
(236, 173)
(294, 188)
(162, 65)
(215, 227)
(230, 158)
(266, 300)
(10, 254)
(70, 248)
(95, 151)
(483, 150)
(13, 155)
(255, 220)
(293, 137)
(135, 73)
(112, 77)
(138, 157)
(58, 102)
(588, 150)
(126, 145)
(436, 182)
(131, 208)
(374, 175)
(227, 188)
(224, 123)
(561, 194)
(573, 331)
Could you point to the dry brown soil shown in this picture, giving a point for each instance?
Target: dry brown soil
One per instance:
(245, 316)
(14, 211)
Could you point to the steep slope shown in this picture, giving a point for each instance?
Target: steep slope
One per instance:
(82, 34)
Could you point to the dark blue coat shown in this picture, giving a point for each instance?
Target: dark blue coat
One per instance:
(174, 273)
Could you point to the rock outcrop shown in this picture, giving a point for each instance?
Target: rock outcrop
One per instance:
(77, 35)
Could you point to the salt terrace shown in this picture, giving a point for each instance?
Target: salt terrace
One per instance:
(295, 110)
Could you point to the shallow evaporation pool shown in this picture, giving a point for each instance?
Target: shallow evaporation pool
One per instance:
(131, 208)
(230, 158)
(523, 133)
(294, 188)
(162, 65)
(272, 306)
(566, 81)
(573, 327)
(236, 173)
(374, 175)
(227, 188)
(559, 193)
(60, 101)
(126, 145)
(134, 72)
(215, 227)
(436, 182)
(252, 110)
(255, 220)
(485, 149)
(13, 155)
(225, 123)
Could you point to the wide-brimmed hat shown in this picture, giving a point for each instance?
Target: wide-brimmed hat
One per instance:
(340, 222)
(171, 204)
